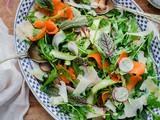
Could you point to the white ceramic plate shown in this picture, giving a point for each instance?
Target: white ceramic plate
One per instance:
(26, 64)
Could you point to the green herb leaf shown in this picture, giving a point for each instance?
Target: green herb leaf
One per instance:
(152, 101)
(53, 75)
(45, 4)
(79, 22)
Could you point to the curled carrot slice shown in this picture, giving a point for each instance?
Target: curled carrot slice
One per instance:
(39, 35)
(138, 69)
(122, 55)
(58, 5)
(133, 81)
(61, 76)
(115, 77)
(64, 13)
(39, 24)
(51, 28)
(104, 96)
(98, 59)
(70, 71)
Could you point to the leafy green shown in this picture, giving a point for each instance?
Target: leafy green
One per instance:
(107, 44)
(36, 31)
(53, 75)
(104, 22)
(86, 1)
(152, 101)
(31, 16)
(78, 112)
(77, 22)
(45, 4)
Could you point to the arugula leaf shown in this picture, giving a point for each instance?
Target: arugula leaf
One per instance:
(104, 22)
(45, 49)
(31, 16)
(53, 75)
(152, 101)
(79, 113)
(45, 4)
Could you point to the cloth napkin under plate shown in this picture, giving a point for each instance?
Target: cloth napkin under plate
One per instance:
(14, 93)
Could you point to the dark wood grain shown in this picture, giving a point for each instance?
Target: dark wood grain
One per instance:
(36, 112)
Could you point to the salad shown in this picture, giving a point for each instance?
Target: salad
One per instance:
(98, 64)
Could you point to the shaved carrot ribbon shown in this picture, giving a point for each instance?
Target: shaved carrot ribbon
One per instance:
(39, 24)
(115, 77)
(65, 13)
(39, 35)
(133, 81)
(104, 96)
(138, 69)
(98, 58)
(51, 28)
(70, 71)
(61, 10)
(46, 27)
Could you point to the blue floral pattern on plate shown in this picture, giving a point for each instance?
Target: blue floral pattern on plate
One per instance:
(26, 64)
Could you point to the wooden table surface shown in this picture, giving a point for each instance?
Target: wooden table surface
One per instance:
(36, 112)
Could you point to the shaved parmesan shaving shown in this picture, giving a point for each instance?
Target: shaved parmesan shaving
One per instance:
(110, 105)
(82, 85)
(150, 86)
(91, 74)
(130, 108)
(63, 91)
(96, 112)
(141, 57)
(38, 14)
(37, 72)
(58, 38)
(73, 47)
(56, 100)
(76, 13)
(24, 30)
(139, 42)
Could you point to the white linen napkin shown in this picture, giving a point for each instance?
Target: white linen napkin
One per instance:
(14, 93)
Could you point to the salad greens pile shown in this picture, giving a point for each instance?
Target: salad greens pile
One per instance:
(101, 65)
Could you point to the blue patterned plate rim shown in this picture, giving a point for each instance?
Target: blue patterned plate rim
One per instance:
(20, 62)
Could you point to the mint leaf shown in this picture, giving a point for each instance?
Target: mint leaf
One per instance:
(45, 4)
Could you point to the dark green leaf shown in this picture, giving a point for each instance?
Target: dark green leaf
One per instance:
(53, 75)
(45, 4)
